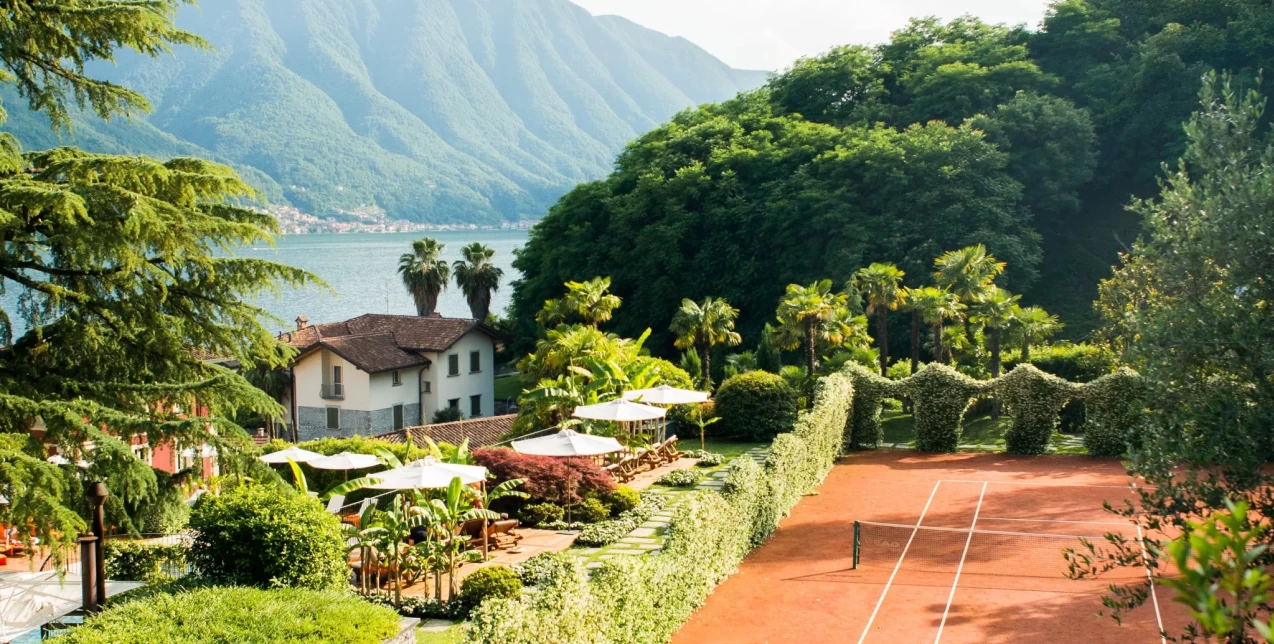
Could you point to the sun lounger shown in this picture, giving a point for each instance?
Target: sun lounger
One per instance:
(502, 534)
(668, 451)
(334, 504)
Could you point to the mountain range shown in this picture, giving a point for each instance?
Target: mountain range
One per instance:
(435, 111)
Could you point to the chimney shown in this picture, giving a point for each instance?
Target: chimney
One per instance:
(302, 322)
(434, 316)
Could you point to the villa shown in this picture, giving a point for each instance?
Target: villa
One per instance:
(380, 373)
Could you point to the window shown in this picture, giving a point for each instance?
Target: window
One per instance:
(333, 417)
(426, 387)
(338, 390)
(475, 361)
(398, 379)
(453, 364)
(398, 415)
(475, 406)
(454, 403)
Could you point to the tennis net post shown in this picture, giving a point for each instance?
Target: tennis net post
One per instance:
(857, 533)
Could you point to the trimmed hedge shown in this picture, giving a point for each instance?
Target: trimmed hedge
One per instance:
(239, 614)
(940, 395)
(1114, 404)
(258, 536)
(1034, 399)
(646, 599)
(492, 582)
(755, 405)
(870, 391)
(138, 561)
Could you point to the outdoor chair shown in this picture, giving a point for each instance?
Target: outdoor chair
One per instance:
(501, 533)
(356, 519)
(334, 504)
(668, 451)
(649, 458)
(625, 469)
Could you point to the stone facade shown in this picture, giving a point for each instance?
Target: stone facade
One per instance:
(312, 423)
(383, 419)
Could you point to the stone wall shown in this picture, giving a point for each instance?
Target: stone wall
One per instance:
(312, 423)
(383, 419)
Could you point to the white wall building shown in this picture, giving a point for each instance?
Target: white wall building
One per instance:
(379, 373)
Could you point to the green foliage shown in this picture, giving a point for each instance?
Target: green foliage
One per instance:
(1078, 363)
(239, 614)
(706, 458)
(424, 273)
(477, 278)
(1034, 399)
(621, 500)
(447, 415)
(541, 513)
(607, 532)
(646, 599)
(701, 326)
(940, 395)
(324, 480)
(768, 357)
(139, 561)
(756, 405)
(544, 569)
(257, 536)
(1115, 408)
(490, 582)
(870, 390)
(590, 510)
(681, 478)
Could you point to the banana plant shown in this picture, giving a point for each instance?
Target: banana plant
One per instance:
(451, 511)
(487, 496)
(391, 530)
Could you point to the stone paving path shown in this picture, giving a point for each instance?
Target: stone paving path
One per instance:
(648, 538)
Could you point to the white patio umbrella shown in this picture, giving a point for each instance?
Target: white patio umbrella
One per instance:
(666, 395)
(567, 443)
(297, 455)
(427, 474)
(619, 411)
(345, 461)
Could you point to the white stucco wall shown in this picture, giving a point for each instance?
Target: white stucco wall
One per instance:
(466, 384)
(385, 394)
(308, 373)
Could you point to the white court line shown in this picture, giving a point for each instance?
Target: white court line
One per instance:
(898, 565)
(1115, 487)
(1124, 524)
(959, 568)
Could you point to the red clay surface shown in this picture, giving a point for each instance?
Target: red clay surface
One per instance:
(801, 585)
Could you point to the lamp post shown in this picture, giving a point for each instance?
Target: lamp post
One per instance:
(97, 494)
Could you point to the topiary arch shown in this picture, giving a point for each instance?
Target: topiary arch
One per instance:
(941, 394)
(1114, 403)
(1034, 399)
(870, 391)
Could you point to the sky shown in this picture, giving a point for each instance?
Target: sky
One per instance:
(770, 34)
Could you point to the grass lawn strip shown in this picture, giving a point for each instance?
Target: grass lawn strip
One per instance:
(980, 434)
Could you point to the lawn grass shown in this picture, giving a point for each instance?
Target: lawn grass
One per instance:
(730, 449)
(979, 430)
(452, 635)
(508, 387)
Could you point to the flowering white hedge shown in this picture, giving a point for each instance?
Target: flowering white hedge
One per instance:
(1034, 399)
(870, 391)
(1113, 406)
(940, 395)
(647, 598)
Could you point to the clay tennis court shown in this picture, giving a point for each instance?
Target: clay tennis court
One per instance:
(955, 548)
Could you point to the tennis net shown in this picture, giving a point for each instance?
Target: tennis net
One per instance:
(989, 552)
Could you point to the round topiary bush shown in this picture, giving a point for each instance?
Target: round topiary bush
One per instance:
(1113, 404)
(622, 499)
(1034, 399)
(488, 583)
(260, 536)
(870, 390)
(681, 478)
(590, 510)
(940, 394)
(544, 569)
(541, 513)
(756, 405)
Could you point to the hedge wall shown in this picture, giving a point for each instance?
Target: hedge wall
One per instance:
(1034, 399)
(940, 395)
(646, 599)
(870, 391)
(1114, 404)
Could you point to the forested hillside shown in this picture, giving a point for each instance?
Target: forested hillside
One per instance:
(448, 111)
(1033, 142)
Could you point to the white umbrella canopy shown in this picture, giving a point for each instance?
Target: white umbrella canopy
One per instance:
(568, 443)
(58, 459)
(297, 455)
(619, 411)
(427, 474)
(667, 395)
(345, 461)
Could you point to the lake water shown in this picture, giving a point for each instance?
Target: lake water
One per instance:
(362, 271)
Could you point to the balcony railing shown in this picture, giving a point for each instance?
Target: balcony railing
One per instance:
(334, 391)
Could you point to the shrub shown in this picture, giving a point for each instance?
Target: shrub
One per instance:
(137, 561)
(940, 394)
(256, 535)
(447, 415)
(621, 500)
(500, 582)
(541, 513)
(1078, 363)
(544, 569)
(239, 614)
(1034, 399)
(546, 477)
(422, 607)
(167, 512)
(607, 532)
(706, 458)
(756, 405)
(870, 390)
(1114, 404)
(590, 510)
(681, 478)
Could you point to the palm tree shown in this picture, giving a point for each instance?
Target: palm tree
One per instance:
(969, 273)
(994, 311)
(881, 284)
(702, 326)
(802, 314)
(424, 273)
(1033, 325)
(933, 306)
(477, 278)
(768, 357)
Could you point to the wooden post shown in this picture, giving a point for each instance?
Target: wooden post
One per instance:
(97, 494)
(89, 597)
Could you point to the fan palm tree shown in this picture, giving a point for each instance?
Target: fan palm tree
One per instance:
(802, 315)
(969, 273)
(932, 306)
(1033, 325)
(477, 278)
(881, 284)
(424, 273)
(994, 311)
(701, 326)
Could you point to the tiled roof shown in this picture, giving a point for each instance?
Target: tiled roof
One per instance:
(411, 332)
(481, 432)
(373, 353)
